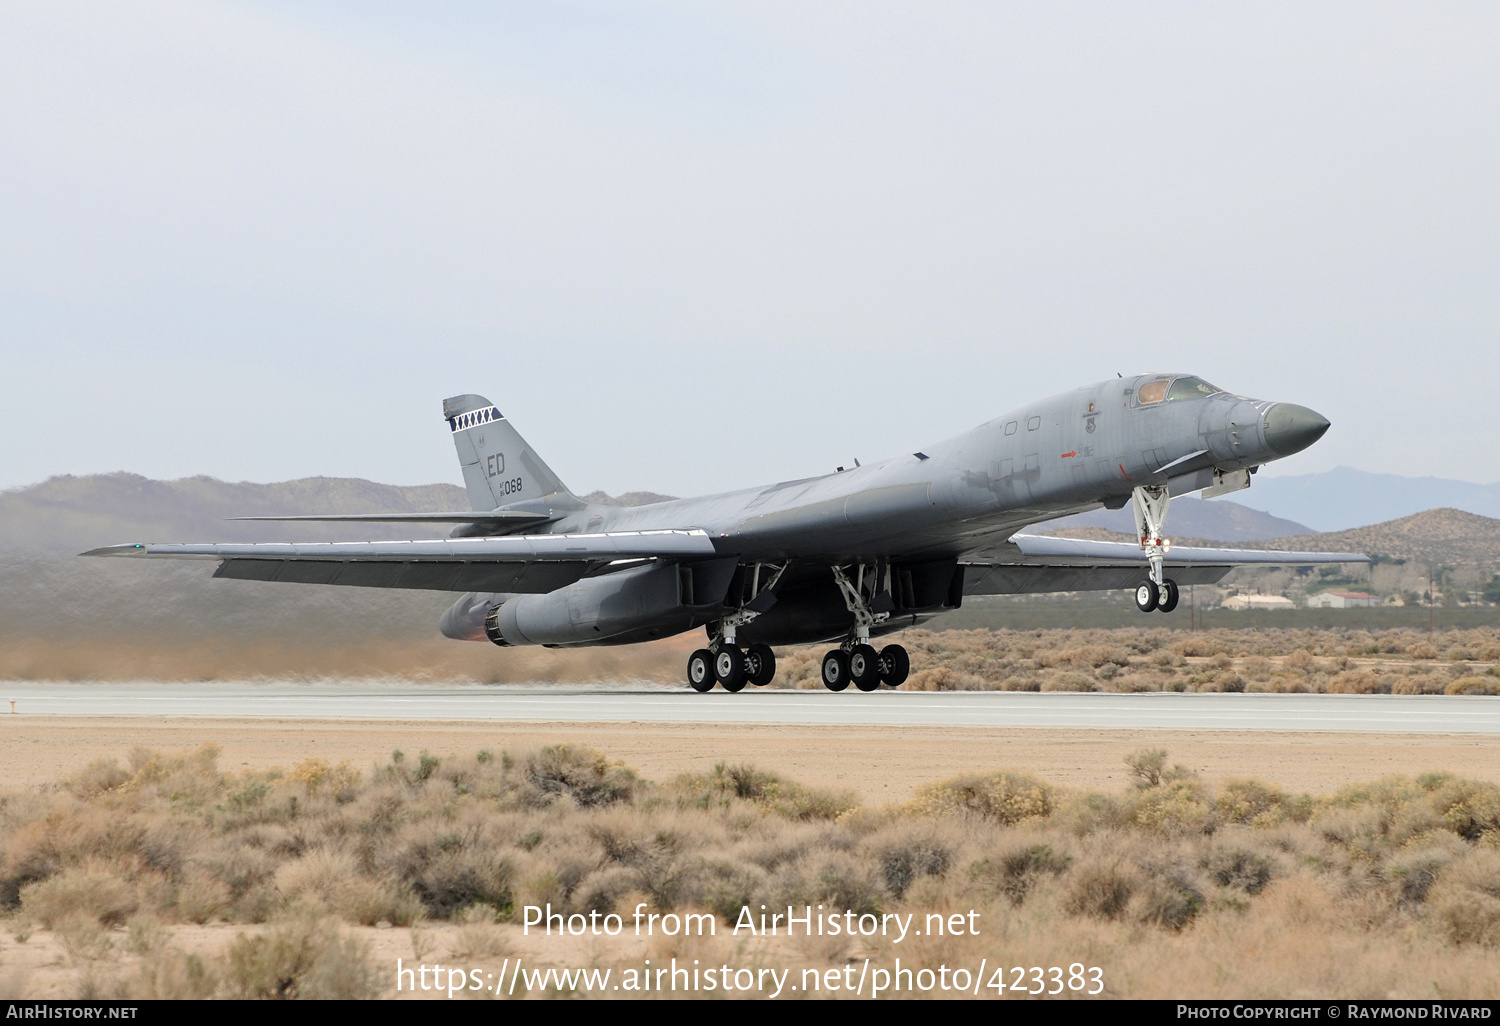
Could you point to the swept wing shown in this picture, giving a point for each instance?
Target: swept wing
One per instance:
(522, 564)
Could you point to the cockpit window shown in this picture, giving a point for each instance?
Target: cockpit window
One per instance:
(1152, 391)
(1190, 388)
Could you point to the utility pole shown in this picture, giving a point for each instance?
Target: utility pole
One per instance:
(1431, 600)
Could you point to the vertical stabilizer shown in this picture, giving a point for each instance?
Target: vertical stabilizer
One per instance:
(500, 469)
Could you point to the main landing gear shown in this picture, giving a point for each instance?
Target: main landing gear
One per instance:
(731, 666)
(868, 597)
(1149, 504)
(856, 660)
(866, 668)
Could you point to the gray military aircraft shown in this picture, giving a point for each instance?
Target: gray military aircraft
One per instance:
(846, 557)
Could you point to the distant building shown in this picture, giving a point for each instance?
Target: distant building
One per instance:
(1342, 600)
(1239, 602)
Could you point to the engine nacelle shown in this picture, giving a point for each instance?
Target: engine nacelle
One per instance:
(593, 610)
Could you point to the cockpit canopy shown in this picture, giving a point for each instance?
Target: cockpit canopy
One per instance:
(1173, 389)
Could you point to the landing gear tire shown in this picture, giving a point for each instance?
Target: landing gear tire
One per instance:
(836, 670)
(760, 665)
(729, 667)
(1166, 599)
(1146, 596)
(864, 667)
(700, 670)
(895, 666)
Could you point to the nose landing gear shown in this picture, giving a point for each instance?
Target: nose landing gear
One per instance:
(1149, 504)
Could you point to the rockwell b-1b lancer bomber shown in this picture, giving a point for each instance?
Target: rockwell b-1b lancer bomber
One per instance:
(844, 558)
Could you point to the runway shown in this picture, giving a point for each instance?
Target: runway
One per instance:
(644, 703)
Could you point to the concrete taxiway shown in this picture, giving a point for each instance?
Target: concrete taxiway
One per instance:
(385, 701)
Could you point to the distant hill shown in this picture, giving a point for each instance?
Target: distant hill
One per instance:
(1435, 536)
(1218, 519)
(1343, 498)
(627, 499)
(65, 515)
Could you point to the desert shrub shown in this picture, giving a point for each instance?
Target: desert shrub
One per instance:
(1014, 872)
(605, 889)
(1392, 809)
(168, 975)
(841, 885)
(191, 779)
(580, 773)
(768, 790)
(657, 857)
(1237, 868)
(1149, 767)
(450, 871)
(1019, 683)
(727, 885)
(1287, 683)
(1413, 872)
(1466, 900)
(320, 776)
(943, 678)
(97, 777)
(200, 898)
(1470, 808)
(1354, 682)
(902, 859)
(1419, 684)
(1167, 897)
(1178, 807)
(1069, 681)
(1472, 685)
(300, 959)
(1136, 682)
(91, 890)
(1146, 765)
(1258, 804)
(331, 881)
(145, 934)
(1101, 888)
(1003, 796)
(1092, 811)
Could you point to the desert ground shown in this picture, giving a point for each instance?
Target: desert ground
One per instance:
(265, 858)
(879, 764)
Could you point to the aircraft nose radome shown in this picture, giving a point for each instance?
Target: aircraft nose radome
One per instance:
(1290, 428)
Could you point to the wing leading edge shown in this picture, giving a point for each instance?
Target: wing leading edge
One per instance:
(1040, 563)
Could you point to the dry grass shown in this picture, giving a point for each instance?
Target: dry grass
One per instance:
(1220, 660)
(1176, 888)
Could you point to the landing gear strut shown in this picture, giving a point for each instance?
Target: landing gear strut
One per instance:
(1149, 504)
(868, 597)
(726, 662)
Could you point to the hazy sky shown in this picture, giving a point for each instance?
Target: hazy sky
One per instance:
(690, 246)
